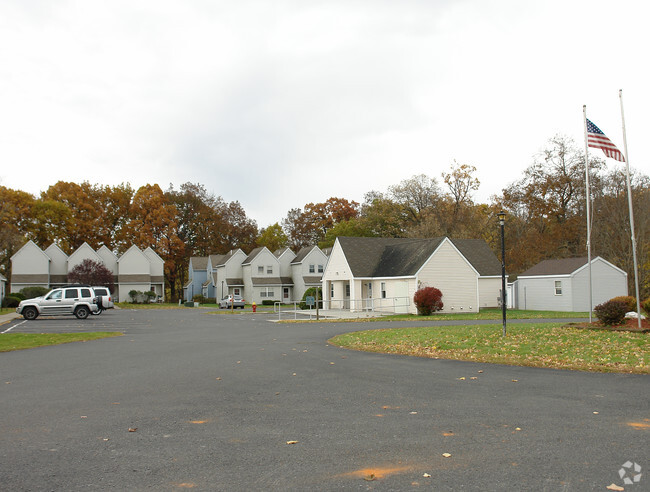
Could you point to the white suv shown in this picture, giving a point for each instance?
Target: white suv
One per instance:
(79, 300)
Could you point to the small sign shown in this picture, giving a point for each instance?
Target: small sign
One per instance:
(310, 300)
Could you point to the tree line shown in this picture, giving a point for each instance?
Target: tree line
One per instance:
(546, 216)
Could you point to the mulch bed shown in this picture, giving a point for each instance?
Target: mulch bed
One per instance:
(629, 325)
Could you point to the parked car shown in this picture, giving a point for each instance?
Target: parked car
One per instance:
(227, 302)
(104, 299)
(79, 300)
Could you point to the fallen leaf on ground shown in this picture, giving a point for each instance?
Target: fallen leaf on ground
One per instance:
(462, 379)
(473, 377)
(517, 428)
(426, 475)
(595, 413)
(369, 478)
(133, 429)
(480, 372)
(292, 442)
(614, 487)
(414, 413)
(515, 380)
(446, 455)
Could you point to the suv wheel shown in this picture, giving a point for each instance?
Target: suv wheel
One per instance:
(81, 312)
(30, 313)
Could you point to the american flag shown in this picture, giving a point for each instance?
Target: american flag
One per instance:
(597, 139)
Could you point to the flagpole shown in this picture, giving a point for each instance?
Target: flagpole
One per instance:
(588, 196)
(629, 202)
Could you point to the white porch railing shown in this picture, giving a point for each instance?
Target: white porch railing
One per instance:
(373, 304)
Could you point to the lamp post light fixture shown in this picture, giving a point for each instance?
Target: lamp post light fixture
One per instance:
(502, 221)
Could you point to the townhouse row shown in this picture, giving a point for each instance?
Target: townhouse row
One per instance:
(136, 269)
(261, 275)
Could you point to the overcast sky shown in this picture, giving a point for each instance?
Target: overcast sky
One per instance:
(280, 103)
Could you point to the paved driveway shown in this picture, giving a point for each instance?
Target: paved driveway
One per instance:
(212, 401)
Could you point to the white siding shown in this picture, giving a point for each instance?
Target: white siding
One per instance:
(108, 258)
(539, 294)
(59, 263)
(448, 271)
(30, 260)
(607, 282)
(134, 262)
(82, 253)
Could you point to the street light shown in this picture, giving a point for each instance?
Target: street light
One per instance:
(502, 222)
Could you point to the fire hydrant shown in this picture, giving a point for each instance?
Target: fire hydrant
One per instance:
(254, 307)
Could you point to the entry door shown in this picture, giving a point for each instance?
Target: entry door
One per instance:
(285, 294)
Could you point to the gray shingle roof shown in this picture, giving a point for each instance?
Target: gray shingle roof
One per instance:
(272, 280)
(252, 255)
(301, 254)
(564, 266)
(235, 282)
(401, 257)
(199, 262)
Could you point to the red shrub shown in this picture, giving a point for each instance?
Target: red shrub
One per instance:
(428, 300)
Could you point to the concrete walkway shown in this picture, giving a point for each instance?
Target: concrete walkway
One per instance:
(328, 314)
(6, 318)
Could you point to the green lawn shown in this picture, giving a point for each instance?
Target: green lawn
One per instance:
(21, 341)
(490, 313)
(541, 345)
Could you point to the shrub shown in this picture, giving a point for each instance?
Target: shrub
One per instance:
(312, 292)
(629, 301)
(149, 295)
(611, 312)
(197, 298)
(31, 292)
(10, 301)
(268, 302)
(428, 300)
(135, 296)
(19, 295)
(646, 306)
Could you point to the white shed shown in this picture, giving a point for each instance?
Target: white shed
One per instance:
(563, 285)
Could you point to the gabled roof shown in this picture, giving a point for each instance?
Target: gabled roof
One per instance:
(479, 254)
(228, 256)
(30, 245)
(199, 262)
(253, 254)
(282, 251)
(403, 257)
(300, 257)
(217, 259)
(564, 266)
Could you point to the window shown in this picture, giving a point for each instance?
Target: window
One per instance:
(320, 268)
(269, 270)
(270, 293)
(383, 290)
(369, 290)
(332, 291)
(236, 291)
(312, 269)
(85, 293)
(55, 295)
(558, 287)
(260, 269)
(71, 293)
(263, 293)
(347, 290)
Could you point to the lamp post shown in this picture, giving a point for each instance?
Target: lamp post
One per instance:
(502, 221)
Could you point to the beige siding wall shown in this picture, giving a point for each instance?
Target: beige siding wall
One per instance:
(30, 260)
(489, 290)
(337, 268)
(134, 262)
(59, 263)
(448, 271)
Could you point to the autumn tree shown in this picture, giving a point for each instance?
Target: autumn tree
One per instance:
(418, 195)
(85, 213)
(273, 237)
(153, 224)
(548, 203)
(304, 228)
(17, 224)
(92, 273)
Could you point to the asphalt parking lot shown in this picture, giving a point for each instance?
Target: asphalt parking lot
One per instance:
(189, 400)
